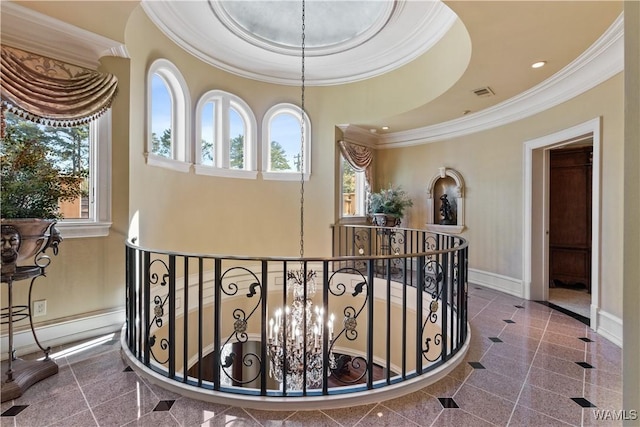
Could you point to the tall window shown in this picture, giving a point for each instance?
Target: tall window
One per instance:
(354, 190)
(168, 130)
(355, 171)
(226, 135)
(82, 151)
(282, 157)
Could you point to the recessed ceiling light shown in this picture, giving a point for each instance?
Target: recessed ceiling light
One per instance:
(385, 127)
(538, 64)
(373, 130)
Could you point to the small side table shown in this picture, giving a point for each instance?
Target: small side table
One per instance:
(22, 374)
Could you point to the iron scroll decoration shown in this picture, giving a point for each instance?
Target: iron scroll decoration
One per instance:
(349, 324)
(433, 285)
(161, 279)
(240, 326)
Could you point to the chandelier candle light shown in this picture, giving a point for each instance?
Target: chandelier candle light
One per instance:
(296, 335)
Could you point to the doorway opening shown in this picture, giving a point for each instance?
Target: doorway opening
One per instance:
(545, 259)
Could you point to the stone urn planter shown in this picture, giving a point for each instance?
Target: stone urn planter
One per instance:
(24, 241)
(385, 220)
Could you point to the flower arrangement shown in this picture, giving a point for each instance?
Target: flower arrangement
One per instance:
(390, 201)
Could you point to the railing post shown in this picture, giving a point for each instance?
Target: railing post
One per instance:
(172, 316)
(419, 291)
(146, 303)
(216, 322)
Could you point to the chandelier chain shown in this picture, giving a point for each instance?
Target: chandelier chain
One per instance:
(302, 114)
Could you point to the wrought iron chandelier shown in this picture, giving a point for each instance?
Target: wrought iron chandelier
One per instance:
(296, 333)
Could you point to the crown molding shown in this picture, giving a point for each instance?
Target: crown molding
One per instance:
(357, 135)
(35, 32)
(601, 61)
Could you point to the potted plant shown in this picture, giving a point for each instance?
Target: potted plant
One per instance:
(31, 189)
(387, 206)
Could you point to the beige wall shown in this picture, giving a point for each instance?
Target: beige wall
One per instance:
(188, 212)
(491, 163)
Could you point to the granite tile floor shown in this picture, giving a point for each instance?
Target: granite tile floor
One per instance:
(528, 365)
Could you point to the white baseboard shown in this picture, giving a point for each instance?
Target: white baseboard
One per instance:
(505, 284)
(63, 332)
(608, 325)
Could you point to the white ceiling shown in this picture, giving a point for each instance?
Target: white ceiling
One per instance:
(505, 36)
(345, 41)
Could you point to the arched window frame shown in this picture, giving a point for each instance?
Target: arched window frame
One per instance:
(292, 109)
(180, 117)
(224, 101)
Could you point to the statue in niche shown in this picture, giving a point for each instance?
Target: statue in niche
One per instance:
(445, 211)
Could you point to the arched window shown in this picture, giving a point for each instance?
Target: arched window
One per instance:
(282, 129)
(225, 136)
(167, 105)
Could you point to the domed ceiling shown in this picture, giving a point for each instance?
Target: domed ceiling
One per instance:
(354, 41)
(345, 41)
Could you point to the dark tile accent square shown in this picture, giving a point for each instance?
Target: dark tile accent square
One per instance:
(128, 369)
(495, 339)
(476, 365)
(585, 339)
(508, 321)
(518, 306)
(164, 405)
(448, 402)
(583, 402)
(585, 365)
(14, 410)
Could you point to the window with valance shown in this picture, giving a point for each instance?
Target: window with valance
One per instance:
(355, 176)
(67, 109)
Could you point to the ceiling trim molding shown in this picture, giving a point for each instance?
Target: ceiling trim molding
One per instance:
(412, 29)
(601, 61)
(357, 135)
(35, 32)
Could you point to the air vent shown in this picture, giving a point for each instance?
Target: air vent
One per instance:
(484, 91)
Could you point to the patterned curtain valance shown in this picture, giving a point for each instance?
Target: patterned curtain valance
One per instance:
(53, 92)
(358, 156)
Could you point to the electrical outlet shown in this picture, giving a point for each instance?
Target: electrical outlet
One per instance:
(39, 308)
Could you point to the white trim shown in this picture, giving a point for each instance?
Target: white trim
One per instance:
(223, 102)
(65, 331)
(296, 112)
(167, 163)
(498, 282)
(564, 137)
(603, 60)
(76, 229)
(608, 325)
(224, 173)
(99, 222)
(35, 32)
(178, 90)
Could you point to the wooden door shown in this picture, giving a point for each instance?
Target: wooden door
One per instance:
(570, 217)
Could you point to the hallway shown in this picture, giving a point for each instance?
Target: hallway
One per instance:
(527, 365)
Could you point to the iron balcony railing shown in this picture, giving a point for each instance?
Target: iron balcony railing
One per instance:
(390, 305)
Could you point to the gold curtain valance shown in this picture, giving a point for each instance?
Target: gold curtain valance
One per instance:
(358, 156)
(53, 92)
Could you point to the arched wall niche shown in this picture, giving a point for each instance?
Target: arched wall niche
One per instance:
(447, 182)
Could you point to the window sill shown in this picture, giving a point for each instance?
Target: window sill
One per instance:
(163, 162)
(70, 229)
(283, 176)
(225, 173)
